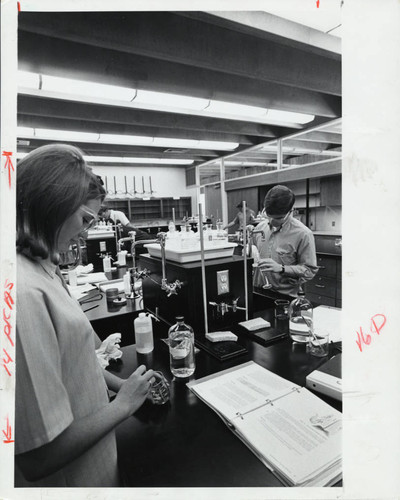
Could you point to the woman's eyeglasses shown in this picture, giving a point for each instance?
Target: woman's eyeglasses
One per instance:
(89, 218)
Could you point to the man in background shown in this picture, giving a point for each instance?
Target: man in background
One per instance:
(118, 217)
(286, 246)
(240, 217)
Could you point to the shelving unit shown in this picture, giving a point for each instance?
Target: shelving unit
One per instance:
(153, 209)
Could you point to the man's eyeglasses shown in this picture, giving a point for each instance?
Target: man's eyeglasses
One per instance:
(89, 218)
(279, 218)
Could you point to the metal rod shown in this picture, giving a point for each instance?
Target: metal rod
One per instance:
(106, 185)
(126, 186)
(134, 185)
(143, 184)
(308, 202)
(115, 186)
(151, 189)
(246, 299)
(173, 215)
(203, 269)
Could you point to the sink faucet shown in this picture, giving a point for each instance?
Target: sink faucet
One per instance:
(170, 288)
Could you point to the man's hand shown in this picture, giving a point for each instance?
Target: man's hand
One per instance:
(270, 265)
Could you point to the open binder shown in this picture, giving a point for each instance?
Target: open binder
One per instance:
(293, 432)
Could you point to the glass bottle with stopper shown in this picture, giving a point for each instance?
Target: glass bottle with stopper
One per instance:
(181, 348)
(300, 318)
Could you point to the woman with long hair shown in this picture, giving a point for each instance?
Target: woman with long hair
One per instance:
(64, 421)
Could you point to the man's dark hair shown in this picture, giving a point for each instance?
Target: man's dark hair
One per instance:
(279, 200)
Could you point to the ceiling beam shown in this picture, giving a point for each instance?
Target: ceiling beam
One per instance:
(37, 106)
(191, 42)
(86, 62)
(272, 27)
(62, 123)
(100, 149)
(286, 175)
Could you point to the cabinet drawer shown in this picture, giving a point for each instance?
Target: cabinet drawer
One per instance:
(327, 266)
(320, 300)
(321, 285)
(339, 290)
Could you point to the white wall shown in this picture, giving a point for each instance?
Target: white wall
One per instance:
(165, 181)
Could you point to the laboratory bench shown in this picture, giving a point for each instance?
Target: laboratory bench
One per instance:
(184, 443)
(107, 318)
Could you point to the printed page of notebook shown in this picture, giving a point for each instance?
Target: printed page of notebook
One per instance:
(241, 390)
(299, 435)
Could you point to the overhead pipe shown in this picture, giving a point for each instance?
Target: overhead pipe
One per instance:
(246, 298)
(203, 270)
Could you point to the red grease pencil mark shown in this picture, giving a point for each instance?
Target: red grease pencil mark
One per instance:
(19, 7)
(317, 2)
(7, 309)
(8, 433)
(378, 321)
(8, 165)
(6, 361)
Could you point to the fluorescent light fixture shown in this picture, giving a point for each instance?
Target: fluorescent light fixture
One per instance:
(65, 135)
(288, 116)
(83, 88)
(124, 159)
(28, 80)
(218, 145)
(134, 140)
(163, 142)
(157, 101)
(26, 132)
(115, 159)
(175, 143)
(230, 108)
(170, 100)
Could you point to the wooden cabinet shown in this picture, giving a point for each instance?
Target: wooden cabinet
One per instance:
(331, 191)
(326, 287)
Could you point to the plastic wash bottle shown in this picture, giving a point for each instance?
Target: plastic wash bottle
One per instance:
(143, 327)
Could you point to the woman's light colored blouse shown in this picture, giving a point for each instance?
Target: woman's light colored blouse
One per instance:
(58, 377)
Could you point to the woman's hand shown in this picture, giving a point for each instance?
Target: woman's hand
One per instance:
(135, 389)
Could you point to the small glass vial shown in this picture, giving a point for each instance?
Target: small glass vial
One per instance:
(181, 348)
(300, 318)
